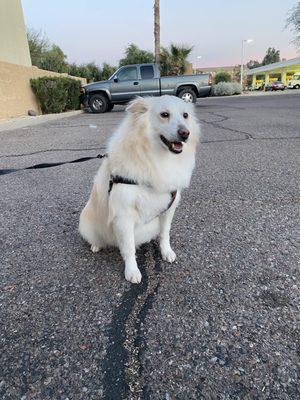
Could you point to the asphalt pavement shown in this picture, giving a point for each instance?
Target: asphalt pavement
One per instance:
(222, 322)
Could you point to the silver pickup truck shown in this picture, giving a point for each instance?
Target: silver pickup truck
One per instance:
(142, 80)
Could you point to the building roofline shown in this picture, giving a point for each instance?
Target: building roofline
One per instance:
(270, 67)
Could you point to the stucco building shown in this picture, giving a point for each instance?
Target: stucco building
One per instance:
(16, 96)
(13, 44)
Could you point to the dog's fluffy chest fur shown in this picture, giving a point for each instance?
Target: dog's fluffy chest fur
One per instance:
(146, 203)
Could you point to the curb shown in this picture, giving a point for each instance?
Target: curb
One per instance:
(252, 94)
(22, 122)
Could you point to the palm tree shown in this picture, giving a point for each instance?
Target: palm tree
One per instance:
(157, 32)
(174, 59)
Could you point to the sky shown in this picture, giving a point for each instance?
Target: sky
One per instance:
(98, 30)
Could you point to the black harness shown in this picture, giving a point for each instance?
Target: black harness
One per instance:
(119, 179)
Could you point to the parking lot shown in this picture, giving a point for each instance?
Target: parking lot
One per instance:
(222, 322)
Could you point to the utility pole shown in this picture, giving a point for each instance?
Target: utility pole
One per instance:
(157, 33)
(242, 59)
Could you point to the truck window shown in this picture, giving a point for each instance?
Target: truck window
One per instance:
(127, 74)
(147, 72)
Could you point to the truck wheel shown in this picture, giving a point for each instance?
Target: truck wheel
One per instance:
(187, 95)
(110, 107)
(98, 103)
(297, 87)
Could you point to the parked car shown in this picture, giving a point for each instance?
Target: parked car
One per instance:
(275, 85)
(142, 80)
(294, 83)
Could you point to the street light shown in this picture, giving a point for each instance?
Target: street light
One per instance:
(242, 60)
(197, 58)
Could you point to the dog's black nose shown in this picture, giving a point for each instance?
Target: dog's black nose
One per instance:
(183, 133)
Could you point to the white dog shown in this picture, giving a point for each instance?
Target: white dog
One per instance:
(137, 188)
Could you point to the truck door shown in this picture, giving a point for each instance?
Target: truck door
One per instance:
(125, 84)
(149, 84)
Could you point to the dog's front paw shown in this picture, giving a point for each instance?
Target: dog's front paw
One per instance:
(95, 248)
(168, 255)
(133, 274)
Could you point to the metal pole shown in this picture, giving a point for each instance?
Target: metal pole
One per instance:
(242, 62)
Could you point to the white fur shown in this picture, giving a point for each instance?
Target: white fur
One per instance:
(134, 214)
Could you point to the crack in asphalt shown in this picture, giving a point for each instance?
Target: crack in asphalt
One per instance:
(220, 105)
(216, 124)
(123, 365)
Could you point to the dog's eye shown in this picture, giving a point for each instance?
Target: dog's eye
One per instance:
(164, 115)
(185, 115)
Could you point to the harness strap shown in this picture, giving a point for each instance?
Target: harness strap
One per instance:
(120, 179)
(173, 197)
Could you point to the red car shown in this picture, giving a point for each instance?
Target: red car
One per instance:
(278, 85)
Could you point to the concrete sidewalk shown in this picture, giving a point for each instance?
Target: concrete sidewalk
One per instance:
(21, 122)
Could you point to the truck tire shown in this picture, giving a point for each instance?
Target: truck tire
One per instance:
(110, 107)
(99, 103)
(297, 87)
(187, 95)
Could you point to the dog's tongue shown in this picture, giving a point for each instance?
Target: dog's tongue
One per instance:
(177, 146)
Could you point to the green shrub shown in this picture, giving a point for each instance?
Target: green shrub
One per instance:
(222, 77)
(73, 88)
(226, 89)
(56, 94)
(237, 88)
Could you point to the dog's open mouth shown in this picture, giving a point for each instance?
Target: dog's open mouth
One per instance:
(174, 147)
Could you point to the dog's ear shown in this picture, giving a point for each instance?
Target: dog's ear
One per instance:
(138, 106)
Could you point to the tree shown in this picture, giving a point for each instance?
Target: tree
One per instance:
(38, 45)
(54, 59)
(107, 71)
(74, 70)
(253, 64)
(95, 73)
(222, 76)
(157, 32)
(271, 56)
(174, 59)
(134, 55)
(43, 55)
(90, 71)
(236, 73)
(293, 21)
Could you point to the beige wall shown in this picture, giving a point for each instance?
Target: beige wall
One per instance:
(13, 39)
(16, 96)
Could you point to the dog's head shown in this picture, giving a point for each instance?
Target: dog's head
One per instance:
(172, 123)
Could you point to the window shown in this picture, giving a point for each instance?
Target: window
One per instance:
(147, 72)
(127, 74)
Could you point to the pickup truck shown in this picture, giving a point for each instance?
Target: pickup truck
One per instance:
(142, 80)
